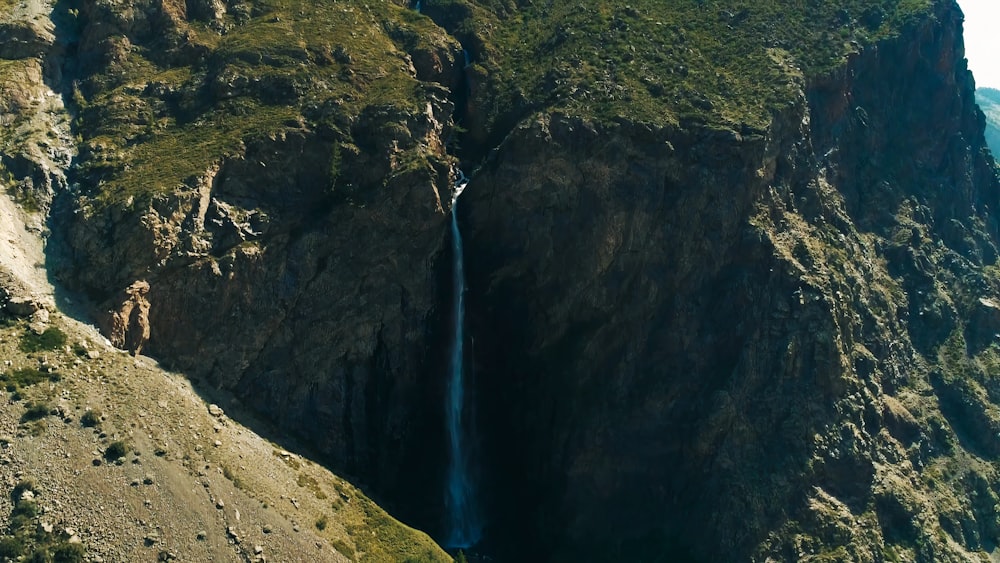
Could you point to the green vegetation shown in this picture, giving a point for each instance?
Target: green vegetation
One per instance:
(51, 339)
(26, 377)
(154, 119)
(162, 111)
(26, 541)
(381, 535)
(229, 474)
(91, 419)
(309, 482)
(35, 411)
(115, 451)
(723, 61)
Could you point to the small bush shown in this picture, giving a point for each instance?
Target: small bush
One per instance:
(229, 474)
(25, 377)
(36, 411)
(91, 419)
(25, 508)
(51, 339)
(322, 522)
(20, 487)
(11, 548)
(343, 548)
(115, 451)
(68, 553)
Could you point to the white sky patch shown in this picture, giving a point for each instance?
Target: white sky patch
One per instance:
(982, 40)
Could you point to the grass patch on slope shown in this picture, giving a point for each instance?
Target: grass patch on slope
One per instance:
(718, 60)
(151, 124)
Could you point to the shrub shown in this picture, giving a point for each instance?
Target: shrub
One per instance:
(25, 508)
(229, 474)
(51, 339)
(20, 487)
(11, 548)
(343, 548)
(35, 411)
(26, 377)
(322, 522)
(91, 418)
(115, 451)
(68, 553)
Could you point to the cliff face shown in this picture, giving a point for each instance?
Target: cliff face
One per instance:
(989, 101)
(281, 212)
(735, 345)
(729, 300)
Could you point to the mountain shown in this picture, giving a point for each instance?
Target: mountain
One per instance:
(105, 456)
(731, 267)
(989, 101)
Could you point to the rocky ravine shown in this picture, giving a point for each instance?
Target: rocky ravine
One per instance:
(716, 315)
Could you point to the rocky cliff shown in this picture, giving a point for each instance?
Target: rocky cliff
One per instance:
(731, 267)
(277, 187)
(989, 101)
(761, 345)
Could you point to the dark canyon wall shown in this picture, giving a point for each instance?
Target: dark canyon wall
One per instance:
(731, 344)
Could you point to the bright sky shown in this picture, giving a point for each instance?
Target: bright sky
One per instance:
(982, 40)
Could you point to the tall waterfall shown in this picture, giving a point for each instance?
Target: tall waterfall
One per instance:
(465, 526)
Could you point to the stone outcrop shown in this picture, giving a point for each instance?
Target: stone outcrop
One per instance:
(127, 325)
(36, 146)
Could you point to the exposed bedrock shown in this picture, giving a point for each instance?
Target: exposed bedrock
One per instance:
(705, 343)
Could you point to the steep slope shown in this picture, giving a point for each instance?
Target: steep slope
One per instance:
(989, 101)
(36, 145)
(124, 461)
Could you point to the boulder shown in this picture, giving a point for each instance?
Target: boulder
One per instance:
(22, 306)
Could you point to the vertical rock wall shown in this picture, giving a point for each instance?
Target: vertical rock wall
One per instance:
(697, 343)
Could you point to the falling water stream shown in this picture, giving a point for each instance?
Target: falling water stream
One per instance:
(464, 522)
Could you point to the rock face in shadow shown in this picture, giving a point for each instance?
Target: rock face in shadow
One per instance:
(312, 310)
(720, 344)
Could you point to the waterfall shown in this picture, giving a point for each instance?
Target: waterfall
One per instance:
(464, 523)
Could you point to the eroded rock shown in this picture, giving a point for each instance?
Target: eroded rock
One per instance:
(127, 324)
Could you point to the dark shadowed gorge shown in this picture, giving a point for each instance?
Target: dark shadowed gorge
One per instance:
(732, 285)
